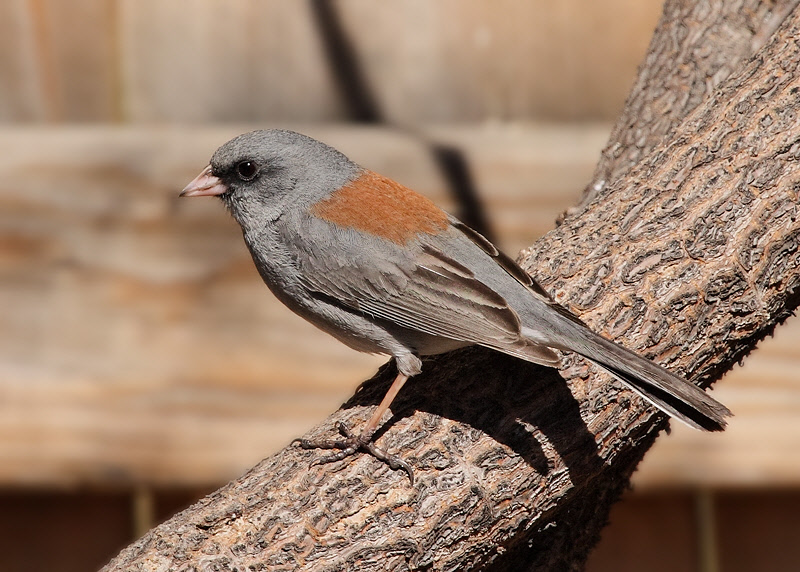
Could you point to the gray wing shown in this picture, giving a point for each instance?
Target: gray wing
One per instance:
(423, 288)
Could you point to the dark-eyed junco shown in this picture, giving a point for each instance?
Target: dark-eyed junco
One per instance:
(384, 270)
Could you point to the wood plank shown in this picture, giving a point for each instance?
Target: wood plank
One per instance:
(648, 532)
(80, 58)
(20, 83)
(45, 530)
(139, 345)
(241, 60)
(57, 60)
(439, 60)
(757, 530)
(451, 60)
(245, 60)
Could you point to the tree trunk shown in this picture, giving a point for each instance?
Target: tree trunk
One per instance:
(688, 253)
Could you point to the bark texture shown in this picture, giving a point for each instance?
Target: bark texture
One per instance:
(695, 47)
(690, 258)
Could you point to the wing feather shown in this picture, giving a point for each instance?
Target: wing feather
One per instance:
(429, 292)
(421, 287)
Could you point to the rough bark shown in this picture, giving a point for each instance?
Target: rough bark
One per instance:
(695, 47)
(690, 258)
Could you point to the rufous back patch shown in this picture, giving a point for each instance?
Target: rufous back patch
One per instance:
(377, 205)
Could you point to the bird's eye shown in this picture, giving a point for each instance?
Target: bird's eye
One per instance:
(246, 170)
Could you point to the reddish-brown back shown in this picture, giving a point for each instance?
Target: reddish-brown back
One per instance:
(377, 205)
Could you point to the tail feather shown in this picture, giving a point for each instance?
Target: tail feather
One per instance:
(667, 391)
(694, 408)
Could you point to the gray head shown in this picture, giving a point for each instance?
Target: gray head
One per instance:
(261, 174)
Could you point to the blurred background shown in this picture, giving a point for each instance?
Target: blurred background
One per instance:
(143, 363)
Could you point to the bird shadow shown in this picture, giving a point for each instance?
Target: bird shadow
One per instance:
(513, 401)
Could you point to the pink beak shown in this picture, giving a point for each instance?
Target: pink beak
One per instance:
(204, 185)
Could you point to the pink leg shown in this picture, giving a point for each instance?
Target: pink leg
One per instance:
(374, 421)
(363, 440)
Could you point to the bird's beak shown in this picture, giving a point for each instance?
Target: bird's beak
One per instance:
(204, 185)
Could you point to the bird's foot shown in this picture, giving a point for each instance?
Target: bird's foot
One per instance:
(350, 445)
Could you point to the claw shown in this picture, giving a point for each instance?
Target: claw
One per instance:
(350, 445)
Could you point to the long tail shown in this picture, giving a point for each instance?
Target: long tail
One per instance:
(667, 391)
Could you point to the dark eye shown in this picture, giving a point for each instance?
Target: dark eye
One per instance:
(246, 170)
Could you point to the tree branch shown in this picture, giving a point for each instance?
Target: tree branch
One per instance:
(690, 258)
(695, 47)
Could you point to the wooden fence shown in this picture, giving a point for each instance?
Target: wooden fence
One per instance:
(266, 60)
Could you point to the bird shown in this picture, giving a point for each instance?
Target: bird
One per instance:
(384, 270)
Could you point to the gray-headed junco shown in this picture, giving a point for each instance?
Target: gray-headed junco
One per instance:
(384, 270)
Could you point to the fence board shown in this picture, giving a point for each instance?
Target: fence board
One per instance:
(57, 60)
(244, 60)
(467, 61)
(20, 93)
(203, 60)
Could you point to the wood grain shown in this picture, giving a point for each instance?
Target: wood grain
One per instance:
(247, 60)
(469, 61)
